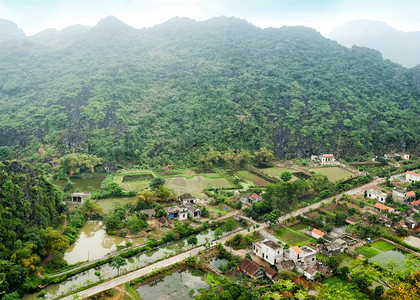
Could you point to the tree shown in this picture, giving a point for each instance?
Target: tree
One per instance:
(156, 183)
(135, 224)
(362, 281)
(55, 242)
(379, 290)
(372, 219)
(98, 274)
(286, 176)
(272, 217)
(402, 231)
(263, 155)
(205, 212)
(192, 240)
(91, 209)
(146, 196)
(218, 233)
(117, 262)
(77, 163)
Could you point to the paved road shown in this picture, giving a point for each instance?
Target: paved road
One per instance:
(146, 270)
(318, 204)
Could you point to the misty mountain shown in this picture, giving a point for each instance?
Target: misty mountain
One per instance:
(10, 31)
(167, 94)
(400, 47)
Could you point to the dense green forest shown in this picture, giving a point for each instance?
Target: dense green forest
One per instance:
(168, 94)
(30, 208)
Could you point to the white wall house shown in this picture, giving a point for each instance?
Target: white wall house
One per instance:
(268, 250)
(377, 194)
(412, 176)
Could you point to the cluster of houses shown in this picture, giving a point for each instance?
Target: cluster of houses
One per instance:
(323, 158)
(301, 259)
(395, 155)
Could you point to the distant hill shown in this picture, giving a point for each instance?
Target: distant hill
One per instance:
(10, 31)
(400, 47)
(167, 94)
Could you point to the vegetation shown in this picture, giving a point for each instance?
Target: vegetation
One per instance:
(105, 92)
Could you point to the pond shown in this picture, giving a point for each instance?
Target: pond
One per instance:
(93, 242)
(384, 257)
(82, 184)
(88, 277)
(412, 240)
(215, 263)
(178, 286)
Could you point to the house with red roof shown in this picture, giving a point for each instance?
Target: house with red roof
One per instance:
(412, 176)
(415, 203)
(411, 195)
(249, 199)
(382, 208)
(317, 233)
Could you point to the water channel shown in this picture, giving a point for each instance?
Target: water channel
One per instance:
(176, 286)
(94, 240)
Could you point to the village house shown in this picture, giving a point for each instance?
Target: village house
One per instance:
(268, 250)
(412, 176)
(255, 270)
(309, 273)
(177, 212)
(336, 247)
(249, 199)
(79, 197)
(194, 211)
(317, 233)
(149, 212)
(410, 222)
(411, 195)
(304, 253)
(186, 199)
(323, 158)
(382, 208)
(376, 193)
(416, 203)
(399, 195)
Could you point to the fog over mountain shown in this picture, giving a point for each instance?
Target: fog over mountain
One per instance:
(400, 47)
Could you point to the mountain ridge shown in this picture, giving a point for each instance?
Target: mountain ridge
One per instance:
(152, 97)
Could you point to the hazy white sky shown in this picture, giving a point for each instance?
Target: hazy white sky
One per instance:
(324, 15)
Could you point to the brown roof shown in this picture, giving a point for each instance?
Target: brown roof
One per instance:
(296, 249)
(254, 196)
(328, 155)
(270, 271)
(411, 194)
(186, 196)
(311, 271)
(318, 232)
(248, 266)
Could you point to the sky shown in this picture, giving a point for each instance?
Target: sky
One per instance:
(324, 15)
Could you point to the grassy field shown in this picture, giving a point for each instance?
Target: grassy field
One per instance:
(351, 289)
(255, 179)
(293, 238)
(195, 184)
(333, 173)
(134, 179)
(276, 171)
(382, 245)
(108, 204)
(299, 226)
(367, 251)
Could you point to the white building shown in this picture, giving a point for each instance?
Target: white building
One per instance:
(270, 251)
(79, 197)
(377, 194)
(399, 195)
(412, 176)
(317, 233)
(177, 212)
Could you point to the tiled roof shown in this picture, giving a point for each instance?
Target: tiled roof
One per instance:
(328, 155)
(311, 271)
(248, 266)
(411, 194)
(349, 222)
(254, 196)
(413, 173)
(381, 206)
(296, 249)
(414, 203)
(318, 232)
(185, 196)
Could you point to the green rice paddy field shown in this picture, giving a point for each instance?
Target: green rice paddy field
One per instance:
(276, 171)
(333, 173)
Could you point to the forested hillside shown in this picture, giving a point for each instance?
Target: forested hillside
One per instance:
(170, 93)
(29, 208)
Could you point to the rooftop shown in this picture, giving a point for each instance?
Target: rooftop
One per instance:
(296, 249)
(318, 232)
(411, 194)
(254, 196)
(414, 203)
(186, 196)
(413, 173)
(381, 206)
(249, 266)
(272, 244)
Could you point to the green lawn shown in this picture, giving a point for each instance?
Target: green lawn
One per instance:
(333, 173)
(293, 238)
(276, 171)
(255, 179)
(197, 183)
(367, 251)
(299, 226)
(382, 245)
